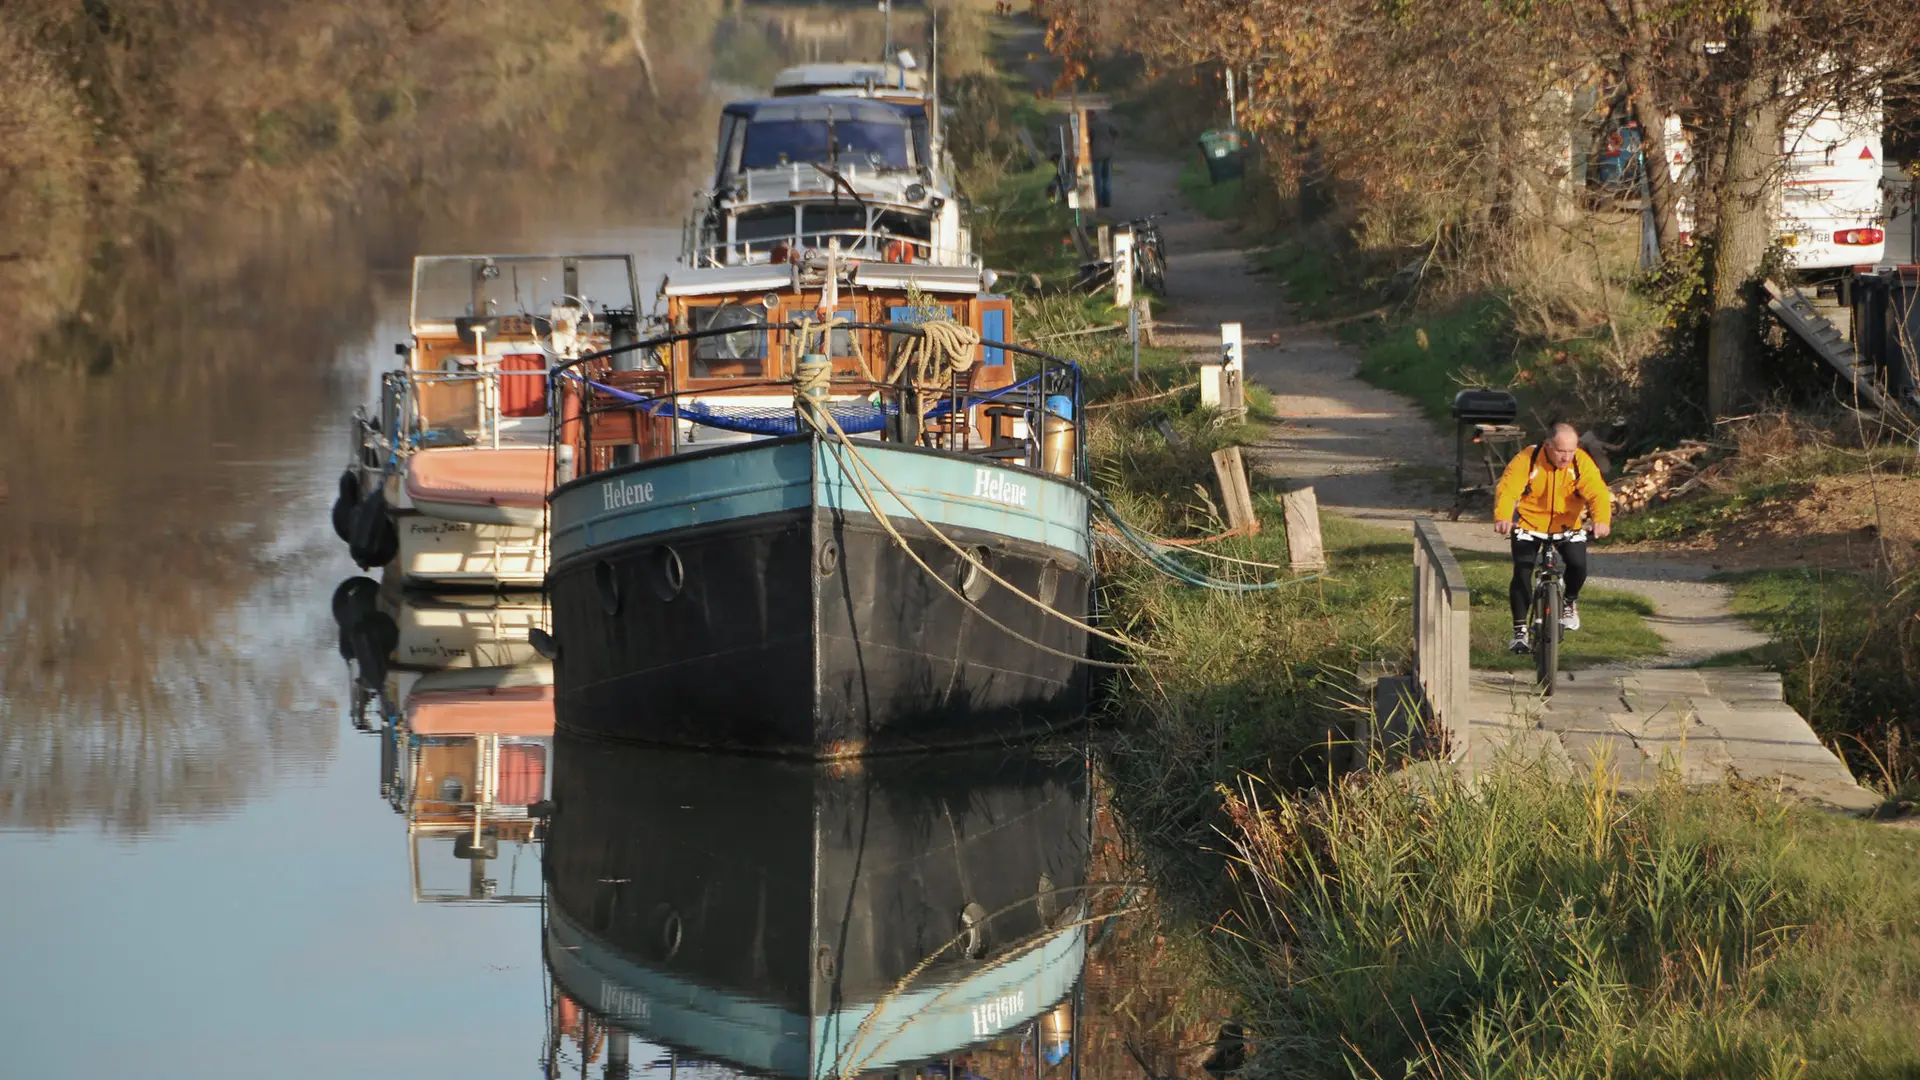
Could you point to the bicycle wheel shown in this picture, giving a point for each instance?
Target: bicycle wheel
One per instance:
(1546, 635)
(1153, 273)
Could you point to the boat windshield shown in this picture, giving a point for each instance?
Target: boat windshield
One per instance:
(446, 287)
(850, 131)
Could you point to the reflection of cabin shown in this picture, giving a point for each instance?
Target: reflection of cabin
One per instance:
(876, 920)
(471, 760)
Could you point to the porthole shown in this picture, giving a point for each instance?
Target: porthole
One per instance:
(974, 580)
(1049, 583)
(670, 929)
(973, 932)
(823, 962)
(608, 585)
(669, 573)
(829, 558)
(1046, 904)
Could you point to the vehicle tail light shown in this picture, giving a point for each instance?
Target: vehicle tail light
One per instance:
(1860, 237)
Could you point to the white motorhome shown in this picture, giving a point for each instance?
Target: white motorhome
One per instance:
(1829, 216)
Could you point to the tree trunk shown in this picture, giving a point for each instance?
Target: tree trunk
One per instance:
(1654, 151)
(1743, 210)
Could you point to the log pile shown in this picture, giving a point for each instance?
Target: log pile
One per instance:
(1662, 476)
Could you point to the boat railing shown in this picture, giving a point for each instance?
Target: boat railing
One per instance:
(404, 424)
(801, 246)
(1030, 422)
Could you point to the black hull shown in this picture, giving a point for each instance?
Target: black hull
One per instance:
(811, 633)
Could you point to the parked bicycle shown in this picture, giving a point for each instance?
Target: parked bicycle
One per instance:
(1149, 255)
(1549, 601)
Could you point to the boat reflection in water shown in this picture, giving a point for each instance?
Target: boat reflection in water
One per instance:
(463, 708)
(726, 916)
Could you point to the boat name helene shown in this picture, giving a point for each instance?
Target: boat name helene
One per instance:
(990, 1017)
(620, 493)
(617, 1000)
(995, 487)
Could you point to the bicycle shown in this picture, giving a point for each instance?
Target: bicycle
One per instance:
(1149, 254)
(1547, 603)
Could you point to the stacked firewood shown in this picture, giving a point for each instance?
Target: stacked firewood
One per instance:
(1662, 476)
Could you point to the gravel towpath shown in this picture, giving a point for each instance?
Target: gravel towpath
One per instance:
(1368, 453)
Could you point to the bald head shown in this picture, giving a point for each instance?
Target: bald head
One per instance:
(1562, 442)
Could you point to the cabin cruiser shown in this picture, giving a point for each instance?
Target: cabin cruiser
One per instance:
(447, 482)
(794, 175)
(914, 917)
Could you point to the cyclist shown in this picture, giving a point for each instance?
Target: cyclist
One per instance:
(1550, 488)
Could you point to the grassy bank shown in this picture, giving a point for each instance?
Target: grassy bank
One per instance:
(1847, 652)
(1529, 927)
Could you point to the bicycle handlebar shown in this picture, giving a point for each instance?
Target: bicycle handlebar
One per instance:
(1527, 534)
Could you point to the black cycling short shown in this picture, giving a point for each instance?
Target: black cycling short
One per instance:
(1573, 554)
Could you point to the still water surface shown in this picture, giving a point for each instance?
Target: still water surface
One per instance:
(223, 853)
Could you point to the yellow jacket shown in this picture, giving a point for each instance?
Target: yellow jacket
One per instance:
(1549, 499)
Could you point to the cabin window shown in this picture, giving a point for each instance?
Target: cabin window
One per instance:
(917, 226)
(845, 132)
(840, 339)
(739, 355)
(730, 130)
(773, 223)
(819, 221)
(922, 138)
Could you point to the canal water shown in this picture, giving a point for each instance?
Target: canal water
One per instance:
(260, 815)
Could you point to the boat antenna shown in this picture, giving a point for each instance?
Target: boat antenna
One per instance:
(933, 83)
(833, 149)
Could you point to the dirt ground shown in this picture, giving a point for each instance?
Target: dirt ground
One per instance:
(1837, 523)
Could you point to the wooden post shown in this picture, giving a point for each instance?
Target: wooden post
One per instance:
(1231, 471)
(1220, 381)
(1302, 510)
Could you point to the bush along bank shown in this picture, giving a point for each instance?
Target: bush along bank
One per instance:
(1364, 926)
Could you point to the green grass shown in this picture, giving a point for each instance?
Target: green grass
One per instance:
(1845, 648)
(1316, 281)
(1526, 926)
(1222, 202)
(1700, 514)
(1425, 357)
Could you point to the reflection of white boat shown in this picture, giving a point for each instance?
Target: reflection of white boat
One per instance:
(470, 759)
(464, 712)
(896, 919)
(448, 481)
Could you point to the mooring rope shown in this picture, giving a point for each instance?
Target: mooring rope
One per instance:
(824, 422)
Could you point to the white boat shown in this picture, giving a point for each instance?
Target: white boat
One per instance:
(448, 479)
